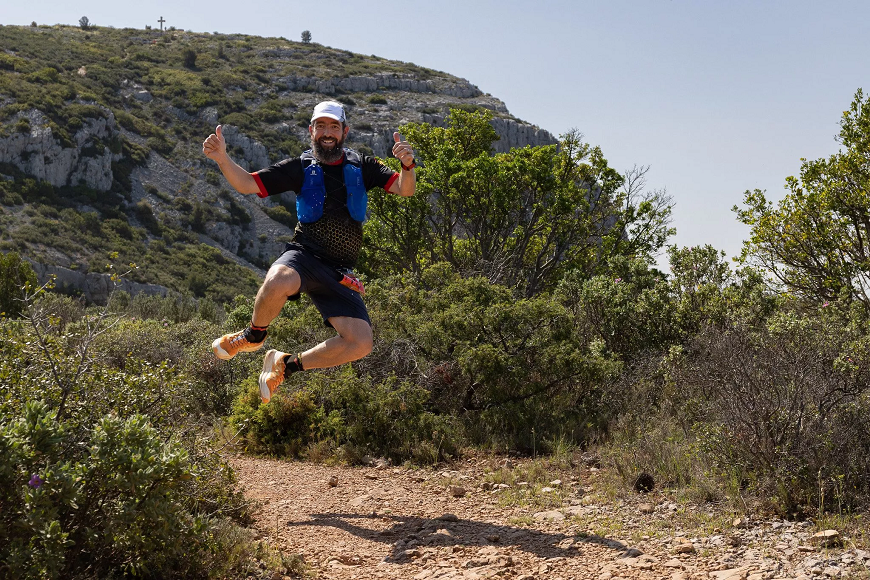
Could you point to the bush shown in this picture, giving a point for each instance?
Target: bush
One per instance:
(631, 309)
(161, 145)
(189, 58)
(385, 419)
(145, 215)
(281, 215)
(453, 358)
(16, 276)
(97, 501)
(108, 470)
(515, 371)
(23, 126)
(787, 404)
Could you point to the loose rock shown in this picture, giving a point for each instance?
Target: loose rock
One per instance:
(827, 539)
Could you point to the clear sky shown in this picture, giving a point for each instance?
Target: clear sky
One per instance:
(716, 96)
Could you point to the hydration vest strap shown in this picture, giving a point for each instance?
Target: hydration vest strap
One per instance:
(309, 201)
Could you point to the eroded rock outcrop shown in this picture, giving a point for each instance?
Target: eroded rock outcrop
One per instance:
(39, 153)
(253, 153)
(459, 88)
(95, 288)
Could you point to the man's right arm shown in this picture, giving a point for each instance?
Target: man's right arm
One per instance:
(215, 148)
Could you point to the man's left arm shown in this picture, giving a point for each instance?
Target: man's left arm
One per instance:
(407, 180)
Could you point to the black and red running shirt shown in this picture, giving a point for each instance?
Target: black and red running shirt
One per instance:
(335, 237)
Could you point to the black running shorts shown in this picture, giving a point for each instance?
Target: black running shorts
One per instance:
(319, 281)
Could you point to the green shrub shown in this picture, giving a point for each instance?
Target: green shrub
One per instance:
(189, 58)
(631, 309)
(786, 403)
(454, 358)
(515, 371)
(22, 125)
(145, 215)
(385, 419)
(281, 215)
(105, 397)
(238, 214)
(161, 145)
(16, 276)
(97, 501)
(212, 177)
(241, 120)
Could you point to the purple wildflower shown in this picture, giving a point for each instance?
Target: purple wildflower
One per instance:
(35, 481)
(618, 280)
(826, 304)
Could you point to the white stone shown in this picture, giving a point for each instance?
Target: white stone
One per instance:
(550, 515)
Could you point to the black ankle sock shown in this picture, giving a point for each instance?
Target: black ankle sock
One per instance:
(256, 333)
(292, 363)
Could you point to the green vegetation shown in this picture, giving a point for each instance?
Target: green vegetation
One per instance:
(16, 279)
(76, 76)
(108, 464)
(527, 217)
(815, 242)
(514, 300)
(178, 261)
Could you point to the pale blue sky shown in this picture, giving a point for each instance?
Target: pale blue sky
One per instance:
(716, 96)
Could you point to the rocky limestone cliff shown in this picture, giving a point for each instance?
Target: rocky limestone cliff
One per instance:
(461, 89)
(41, 154)
(261, 238)
(254, 153)
(95, 288)
(263, 96)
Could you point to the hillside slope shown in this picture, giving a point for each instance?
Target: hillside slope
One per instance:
(100, 134)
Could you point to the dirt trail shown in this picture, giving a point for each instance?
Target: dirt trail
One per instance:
(361, 523)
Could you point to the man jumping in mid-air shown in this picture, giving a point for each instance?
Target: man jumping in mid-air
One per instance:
(330, 183)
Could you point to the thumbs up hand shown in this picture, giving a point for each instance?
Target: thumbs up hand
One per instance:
(402, 151)
(215, 146)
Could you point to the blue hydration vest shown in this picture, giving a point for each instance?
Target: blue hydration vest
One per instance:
(309, 201)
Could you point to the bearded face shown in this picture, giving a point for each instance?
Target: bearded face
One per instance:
(327, 142)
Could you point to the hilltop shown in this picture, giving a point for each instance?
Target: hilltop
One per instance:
(100, 134)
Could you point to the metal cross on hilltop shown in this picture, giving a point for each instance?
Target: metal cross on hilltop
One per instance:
(161, 21)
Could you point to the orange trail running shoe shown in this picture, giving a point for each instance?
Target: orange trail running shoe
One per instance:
(273, 374)
(229, 345)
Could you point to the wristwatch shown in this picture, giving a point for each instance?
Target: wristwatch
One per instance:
(411, 166)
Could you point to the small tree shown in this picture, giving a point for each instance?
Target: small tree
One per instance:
(306, 36)
(815, 240)
(190, 58)
(84, 22)
(15, 276)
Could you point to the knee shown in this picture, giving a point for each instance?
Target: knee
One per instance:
(361, 344)
(281, 280)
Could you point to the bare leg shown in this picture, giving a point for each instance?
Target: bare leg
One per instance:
(354, 341)
(280, 283)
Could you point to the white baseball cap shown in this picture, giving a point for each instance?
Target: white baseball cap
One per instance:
(329, 109)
